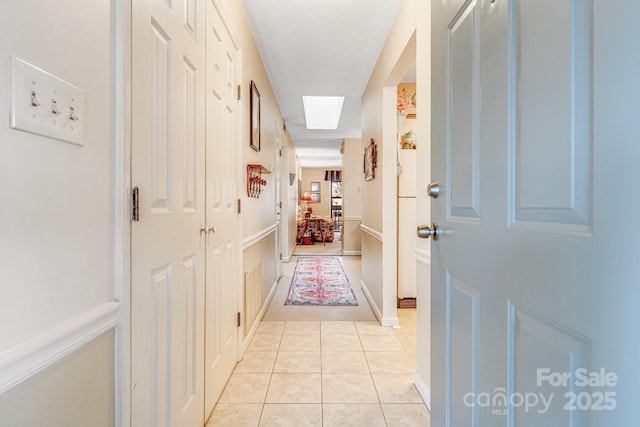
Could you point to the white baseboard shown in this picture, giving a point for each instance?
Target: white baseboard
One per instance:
(372, 303)
(26, 359)
(352, 253)
(423, 389)
(261, 313)
(392, 322)
(288, 257)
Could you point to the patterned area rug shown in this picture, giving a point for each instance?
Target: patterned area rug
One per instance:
(320, 281)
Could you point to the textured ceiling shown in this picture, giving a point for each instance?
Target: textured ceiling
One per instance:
(320, 47)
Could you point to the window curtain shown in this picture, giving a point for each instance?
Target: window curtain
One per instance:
(333, 175)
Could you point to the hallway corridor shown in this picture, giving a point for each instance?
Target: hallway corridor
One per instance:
(337, 372)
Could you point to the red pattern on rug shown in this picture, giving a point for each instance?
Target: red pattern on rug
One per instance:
(320, 281)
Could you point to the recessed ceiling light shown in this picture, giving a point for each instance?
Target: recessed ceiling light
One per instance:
(322, 112)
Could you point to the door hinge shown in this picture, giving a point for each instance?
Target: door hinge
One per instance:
(135, 204)
(280, 256)
(280, 153)
(238, 319)
(280, 205)
(239, 92)
(239, 205)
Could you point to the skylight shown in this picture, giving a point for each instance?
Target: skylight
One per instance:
(322, 112)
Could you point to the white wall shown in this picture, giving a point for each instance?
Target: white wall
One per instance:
(352, 179)
(86, 380)
(409, 34)
(57, 216)
(258, 214)
(289, 198)
(422, 376)
(379, 122)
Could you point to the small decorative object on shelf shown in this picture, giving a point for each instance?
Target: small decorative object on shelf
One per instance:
(255, 182)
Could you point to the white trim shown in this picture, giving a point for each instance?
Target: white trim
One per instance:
(256, 323)
(423, 256)
(349, 253)
(423, 389)
(392, 322)
(372, 303)
(255, 238)
(288, 257)
(371, 232)
(352, 218)
(26, 359)
(122, 226)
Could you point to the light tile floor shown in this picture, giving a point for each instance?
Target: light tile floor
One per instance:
(325, 373)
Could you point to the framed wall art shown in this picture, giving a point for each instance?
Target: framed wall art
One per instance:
(254, 101)
(370, 161)
(315, 187)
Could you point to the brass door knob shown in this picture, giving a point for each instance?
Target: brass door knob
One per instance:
(424, 231)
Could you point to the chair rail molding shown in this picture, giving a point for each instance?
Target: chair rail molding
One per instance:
(20, 362)
(371, 232)
(255, 238)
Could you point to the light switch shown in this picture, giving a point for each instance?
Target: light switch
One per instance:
(46, 105)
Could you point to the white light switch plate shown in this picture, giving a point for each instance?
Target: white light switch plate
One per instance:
(46, 105)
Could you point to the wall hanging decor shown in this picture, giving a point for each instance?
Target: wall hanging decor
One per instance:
(255, 182)
(370, 161)
(254, 132)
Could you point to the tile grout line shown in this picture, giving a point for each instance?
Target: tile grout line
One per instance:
(371, 376)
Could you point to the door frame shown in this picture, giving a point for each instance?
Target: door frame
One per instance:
(421, 377)
(410, 54)
(122, 126)
(277, 179)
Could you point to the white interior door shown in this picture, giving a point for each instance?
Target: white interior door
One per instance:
(223, 248)
(535, 272)
(278, 188)
(167, 254)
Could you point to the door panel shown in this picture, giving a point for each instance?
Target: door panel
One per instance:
(551, 113)
(462, 332)
(167, 252)
(534, 343)
(162, 118)
(463, 139)
(543, 284)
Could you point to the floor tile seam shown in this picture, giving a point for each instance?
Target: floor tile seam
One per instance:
(386, 350)
(345, 374)
(379, 405)
(373, 335)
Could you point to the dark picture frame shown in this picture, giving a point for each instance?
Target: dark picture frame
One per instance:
(315, 198)
(254, 122)
(315, 187)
